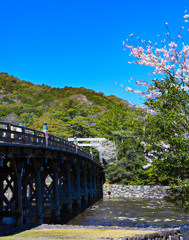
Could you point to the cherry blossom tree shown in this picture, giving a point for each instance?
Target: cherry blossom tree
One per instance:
(108, 150)
(165, 132)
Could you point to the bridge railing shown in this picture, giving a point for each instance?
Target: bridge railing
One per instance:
(57, 142)
(11, 133)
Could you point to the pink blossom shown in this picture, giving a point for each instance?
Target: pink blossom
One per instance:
(128, 89)
(186, 88)
(167, 60)
(138, 92)
(186, 16)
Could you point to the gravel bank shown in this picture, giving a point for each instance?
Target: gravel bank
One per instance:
(7, 230)
(64, 226)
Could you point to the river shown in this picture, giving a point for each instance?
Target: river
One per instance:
(138, 213)
(133, 213)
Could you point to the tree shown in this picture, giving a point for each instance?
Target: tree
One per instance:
(80, 127)
(128, 166)
(165, 134)
(119, 120)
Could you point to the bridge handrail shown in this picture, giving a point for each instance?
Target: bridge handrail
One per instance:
(12, 133)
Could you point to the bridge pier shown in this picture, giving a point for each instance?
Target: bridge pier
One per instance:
(91, 182)
(85, 185)
(17, 194)
(1, 199)
(69, 207)
(56, 189)
(39, 210)
(78, 185)
(69, 188)
(94, 180)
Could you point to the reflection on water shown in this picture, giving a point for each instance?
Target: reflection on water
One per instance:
(134, 213)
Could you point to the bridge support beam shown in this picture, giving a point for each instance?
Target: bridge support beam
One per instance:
(18, 191)
(69, 188)
(39, 210)
(91, 181)
(78, 185)
(56, 191)
(94, 180)
(1, 199)
(85, 185)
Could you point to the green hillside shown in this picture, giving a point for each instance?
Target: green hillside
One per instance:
(68, 111)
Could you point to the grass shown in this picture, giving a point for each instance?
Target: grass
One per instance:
(74, 234)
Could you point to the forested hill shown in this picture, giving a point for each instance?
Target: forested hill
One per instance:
(68, 111)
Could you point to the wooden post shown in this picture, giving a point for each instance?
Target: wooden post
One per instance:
(38, 190)
(43, 176)
(85, 185)
(1, 199)
(94, 181)
(17, 170)
(25, 190)
(39, 210)
(91, 182)
(69, 187)
(78, 186)
(18, 193)
(56, 192)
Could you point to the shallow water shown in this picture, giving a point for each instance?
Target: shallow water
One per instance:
(134, 213)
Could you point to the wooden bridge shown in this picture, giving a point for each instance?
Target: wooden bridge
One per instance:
(41, 172)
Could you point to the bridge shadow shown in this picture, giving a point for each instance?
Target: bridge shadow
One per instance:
(8, 228)
(65, 216)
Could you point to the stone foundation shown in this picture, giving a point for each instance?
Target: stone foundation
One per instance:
(134, 191)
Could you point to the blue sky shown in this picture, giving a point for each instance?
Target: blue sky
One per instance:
(79, 42)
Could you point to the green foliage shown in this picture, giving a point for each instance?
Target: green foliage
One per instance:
(128, 166)
(119, 120)
(80, 127)
(180, 194)
(6, 100)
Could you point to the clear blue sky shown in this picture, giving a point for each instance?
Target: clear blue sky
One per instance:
(79, 42)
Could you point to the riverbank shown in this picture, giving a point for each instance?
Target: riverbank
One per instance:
(57, 231)
(135, 191)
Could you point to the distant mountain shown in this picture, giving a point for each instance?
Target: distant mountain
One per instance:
(64, 109)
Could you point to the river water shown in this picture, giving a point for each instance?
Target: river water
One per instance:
(133, 213)
(137, 213)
